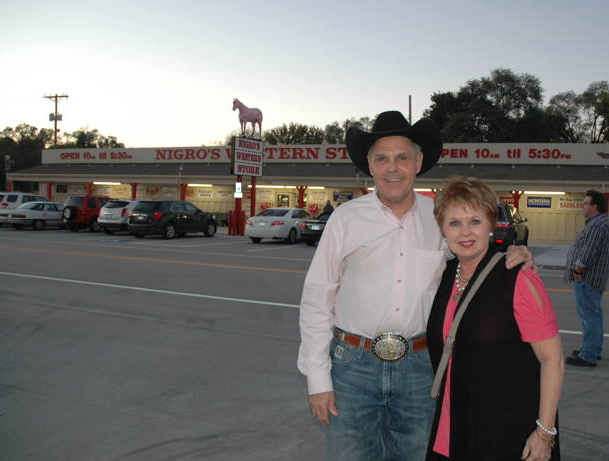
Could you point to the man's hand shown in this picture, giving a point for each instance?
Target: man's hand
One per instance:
(519, 254)
(321, 404)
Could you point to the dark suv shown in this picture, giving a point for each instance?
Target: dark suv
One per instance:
(82, 211)
(169, 218)
(511, 228)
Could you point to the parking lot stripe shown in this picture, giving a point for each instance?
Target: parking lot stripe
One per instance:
(158, 260)
(150, 290)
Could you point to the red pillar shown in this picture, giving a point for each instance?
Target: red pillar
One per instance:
(89, 188)
(516, 194)
(9, 185)
(253, 180)
(133, 190)
(364, 190)
(236, 220)
(49, 190)
(183, 191)
(301, 190)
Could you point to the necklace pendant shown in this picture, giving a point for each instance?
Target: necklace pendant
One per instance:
(457, 297)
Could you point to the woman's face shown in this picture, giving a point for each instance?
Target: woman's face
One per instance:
(467, 232)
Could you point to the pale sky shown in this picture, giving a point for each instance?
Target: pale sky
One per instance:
(164, 73)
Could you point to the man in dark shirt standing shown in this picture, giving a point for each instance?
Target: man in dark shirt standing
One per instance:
(588, 268)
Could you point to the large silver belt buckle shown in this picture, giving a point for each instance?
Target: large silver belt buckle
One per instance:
(389, 347)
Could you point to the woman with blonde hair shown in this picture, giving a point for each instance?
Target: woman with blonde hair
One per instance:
(499, 396)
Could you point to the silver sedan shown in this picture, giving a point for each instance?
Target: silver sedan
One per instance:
(37, 215)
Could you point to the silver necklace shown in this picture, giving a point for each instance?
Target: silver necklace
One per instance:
(460, 282)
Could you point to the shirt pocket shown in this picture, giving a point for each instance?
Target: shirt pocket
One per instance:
(429, 266)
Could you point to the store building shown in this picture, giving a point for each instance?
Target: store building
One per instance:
(546, 182)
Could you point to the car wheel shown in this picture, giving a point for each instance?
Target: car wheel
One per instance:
(291, 237)
(94, 226)
(169, 231)
(311, 243)
(210, 230)
(108, 231)
(256, 239)
(18, 226)
(38, 224)
(69, 213)
(138, 235)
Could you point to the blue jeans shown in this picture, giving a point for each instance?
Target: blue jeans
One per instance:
(384, 408)
(590, 311)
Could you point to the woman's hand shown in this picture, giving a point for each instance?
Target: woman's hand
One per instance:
(536, 448)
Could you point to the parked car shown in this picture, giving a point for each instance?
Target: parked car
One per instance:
(276, 223)
(313, 228)
(511, 228)
(169, 218)
(114, 215)
(11, 200)
(82, 211)
(37, 215)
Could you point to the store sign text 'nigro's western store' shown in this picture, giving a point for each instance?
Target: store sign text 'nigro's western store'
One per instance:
(507, 153)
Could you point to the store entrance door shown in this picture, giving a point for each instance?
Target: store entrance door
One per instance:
(283, 200)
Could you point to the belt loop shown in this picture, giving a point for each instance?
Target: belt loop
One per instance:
(362, 342)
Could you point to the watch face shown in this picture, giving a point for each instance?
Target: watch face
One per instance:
(389, 347)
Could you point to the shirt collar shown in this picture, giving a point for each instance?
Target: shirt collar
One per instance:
(387, 211)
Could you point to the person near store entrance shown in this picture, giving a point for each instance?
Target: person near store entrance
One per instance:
(367, 296)
(328, 208)
(588, 269)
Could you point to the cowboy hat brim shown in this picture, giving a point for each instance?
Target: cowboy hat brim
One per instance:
(425, 133)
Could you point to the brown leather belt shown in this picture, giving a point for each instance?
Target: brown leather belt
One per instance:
(418, 343)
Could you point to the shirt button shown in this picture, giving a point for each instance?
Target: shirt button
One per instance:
(399, 281)
(397, 309)
(401, 254)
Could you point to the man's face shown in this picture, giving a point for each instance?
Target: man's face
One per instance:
(588, 209)
(394, 167)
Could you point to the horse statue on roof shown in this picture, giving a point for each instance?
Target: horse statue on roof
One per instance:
(253, 116)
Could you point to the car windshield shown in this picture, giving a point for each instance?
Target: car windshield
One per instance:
(147, 206)
(116, 204)
(74, 201)
(273, 212)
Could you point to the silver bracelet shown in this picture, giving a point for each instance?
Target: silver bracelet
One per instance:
(551, 432)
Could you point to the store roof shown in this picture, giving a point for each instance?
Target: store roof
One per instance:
(577, 173)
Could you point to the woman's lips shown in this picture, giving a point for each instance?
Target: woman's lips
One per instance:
(467, 243)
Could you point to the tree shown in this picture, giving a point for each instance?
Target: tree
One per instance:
(490, 109)
(595, 105)
(294, 133)
(23, 145)
(564, 117)
(85, 137)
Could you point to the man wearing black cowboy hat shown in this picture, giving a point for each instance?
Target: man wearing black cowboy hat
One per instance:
(366, 299)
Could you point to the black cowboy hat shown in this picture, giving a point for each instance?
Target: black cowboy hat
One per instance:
(425, 133)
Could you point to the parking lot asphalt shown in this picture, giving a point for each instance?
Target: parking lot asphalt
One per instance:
(115, 348)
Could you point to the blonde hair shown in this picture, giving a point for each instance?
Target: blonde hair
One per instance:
(466, 192)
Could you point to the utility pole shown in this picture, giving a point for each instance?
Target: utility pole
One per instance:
(410, 109)
(55, 116)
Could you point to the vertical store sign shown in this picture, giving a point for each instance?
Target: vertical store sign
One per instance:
(247, 157)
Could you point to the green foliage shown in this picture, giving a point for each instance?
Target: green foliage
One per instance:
(294, 133)
(506, 107)
(24, 144)
(85, 137)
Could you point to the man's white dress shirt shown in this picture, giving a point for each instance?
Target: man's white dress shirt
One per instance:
(372, 273)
